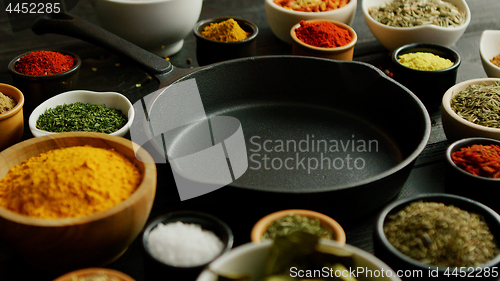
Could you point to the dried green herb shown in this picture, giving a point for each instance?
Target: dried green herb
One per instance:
(441, 235)
(81, 117)
(479, 104)
(291, 222)
(409, 13)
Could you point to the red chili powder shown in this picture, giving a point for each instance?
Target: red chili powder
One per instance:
(323, 34)
(44, 63)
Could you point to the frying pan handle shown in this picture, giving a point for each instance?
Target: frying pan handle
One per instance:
(66, 24)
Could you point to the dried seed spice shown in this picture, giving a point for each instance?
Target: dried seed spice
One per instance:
(95, 277)
(409, 13)
(441, 235)
(479, 104)
(290, 223)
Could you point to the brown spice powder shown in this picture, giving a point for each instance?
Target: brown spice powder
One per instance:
(6, 103)
(496, 60)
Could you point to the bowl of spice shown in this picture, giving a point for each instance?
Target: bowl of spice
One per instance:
(428, 70)
(182, 243)
(283, 15)
(286, 221)
(298, 256)
(224, 38)
(95, 274)
(474, 170)
(81, 110)
(75, 199)
(11, 115)
(471, 109)
(439, 236)
(395, 23)
(43, 74)
(323, 39)
(489, 49)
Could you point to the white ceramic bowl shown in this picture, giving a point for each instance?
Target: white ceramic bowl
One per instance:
(394, 37)
(454, 126)
(250, 258)
(158, 26)
(281, 20)
(109, 99)
(489, 47)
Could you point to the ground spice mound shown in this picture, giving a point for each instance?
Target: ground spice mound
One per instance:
(44, 63)
(6, 103)
(69, 182)
(424, 61)
(323, 34)
(496, 60)
(227, 31)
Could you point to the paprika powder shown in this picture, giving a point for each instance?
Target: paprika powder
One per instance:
(44, 63)
(323, 34)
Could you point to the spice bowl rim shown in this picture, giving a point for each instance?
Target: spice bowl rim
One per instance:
(448, 199)
(262, 224)
(150, 170)
(59, 99)
(91, 270)
(446, 105)
(488, 66)
(18, 106)
(198, 26)
(433, 46)
(458, 144)
(176, 216)
(75, 68)
(347, 46)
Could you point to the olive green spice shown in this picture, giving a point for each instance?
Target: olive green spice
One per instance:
(290, 223)
(479, 104)
(441, 235)
(95, 277)
(81, 117)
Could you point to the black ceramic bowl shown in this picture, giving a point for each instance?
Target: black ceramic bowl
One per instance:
(37, 89)
(211, 51)
(428, 86)
(483, 189)
(155, 268)
(411, 269)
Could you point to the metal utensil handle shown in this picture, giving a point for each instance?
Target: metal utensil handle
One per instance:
(70, 25)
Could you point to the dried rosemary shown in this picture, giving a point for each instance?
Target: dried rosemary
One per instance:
(81, 117)
(479, 104)
(409, 13)
(441, 235)
(290, 223)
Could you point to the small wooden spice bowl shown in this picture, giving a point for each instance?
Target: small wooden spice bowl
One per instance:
(37, 89)
(460, 182)
(62, 245)
(402, 263)
(212, 51)
(12, 121)
(456, 127)
(263, 224)
(338, 53)
(97, 271)
(153, 267)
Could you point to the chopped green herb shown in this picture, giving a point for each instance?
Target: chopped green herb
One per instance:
(81, 117)
(290, 223)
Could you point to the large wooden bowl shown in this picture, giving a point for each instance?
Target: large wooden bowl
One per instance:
(61, 245)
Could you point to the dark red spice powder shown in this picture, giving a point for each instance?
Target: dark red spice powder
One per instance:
(44, 63)
(323, 34)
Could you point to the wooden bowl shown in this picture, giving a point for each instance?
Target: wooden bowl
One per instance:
(261, 226)
(12, 121)
(62, 245)
(94, 270)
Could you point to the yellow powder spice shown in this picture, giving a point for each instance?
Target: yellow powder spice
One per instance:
(424, 61)
(228, 31)
(69, 182)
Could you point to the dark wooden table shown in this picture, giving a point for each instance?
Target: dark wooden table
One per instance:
(100, 73)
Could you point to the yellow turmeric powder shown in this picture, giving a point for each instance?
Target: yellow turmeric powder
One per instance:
(228, 31)
(69, 182)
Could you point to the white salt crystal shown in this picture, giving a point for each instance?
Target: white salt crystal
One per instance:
(183, 245)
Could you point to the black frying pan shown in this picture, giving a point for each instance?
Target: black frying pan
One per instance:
(289, 98)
